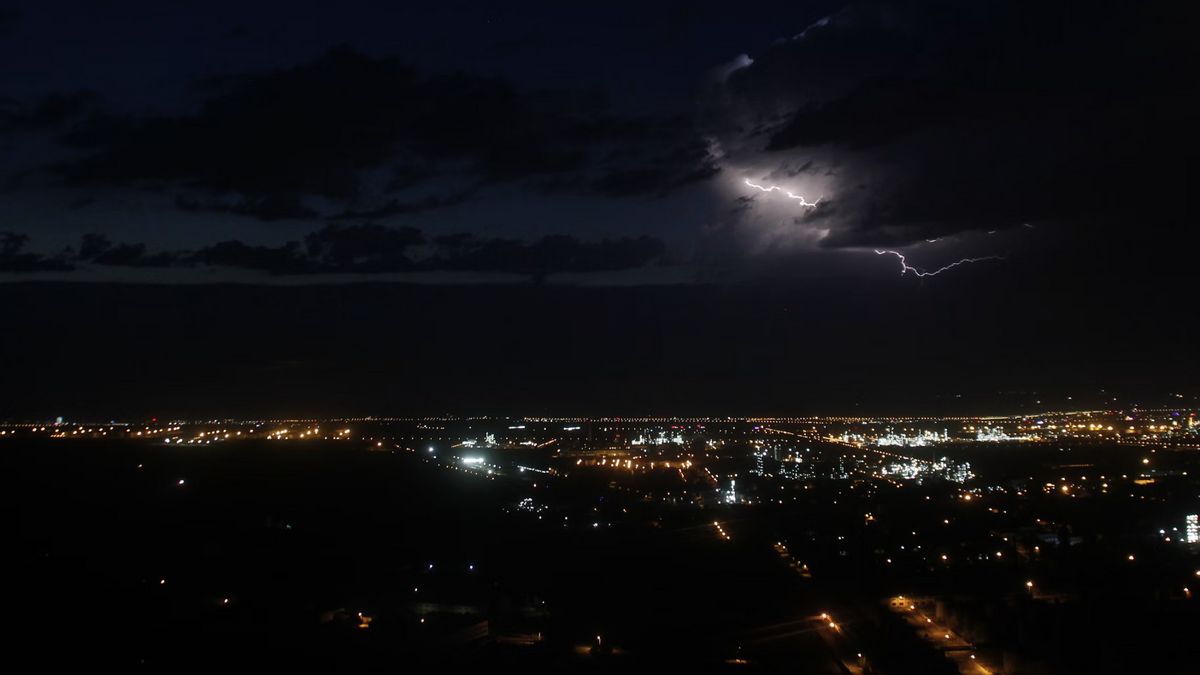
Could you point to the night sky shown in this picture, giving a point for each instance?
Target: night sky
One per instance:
(304, 208)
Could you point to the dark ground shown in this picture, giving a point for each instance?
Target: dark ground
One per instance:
(290, 532)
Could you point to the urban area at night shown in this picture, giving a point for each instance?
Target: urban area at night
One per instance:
(834, 544)
(845, 337)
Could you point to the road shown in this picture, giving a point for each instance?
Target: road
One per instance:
(957, 649)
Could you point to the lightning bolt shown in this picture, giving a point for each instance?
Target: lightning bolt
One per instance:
(905, 268)
(789, 193)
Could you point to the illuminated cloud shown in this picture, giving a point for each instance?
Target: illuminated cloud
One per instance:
(912, 121)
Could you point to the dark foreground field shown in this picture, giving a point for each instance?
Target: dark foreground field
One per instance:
(266, 554)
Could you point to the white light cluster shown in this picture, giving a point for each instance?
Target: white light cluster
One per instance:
(527, 504)
(759, 469)
(994, 435)
(956, 472)
(661, 439)
(918, 440)
(731, 494)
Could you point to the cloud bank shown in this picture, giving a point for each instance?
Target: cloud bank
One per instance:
(917, 120)
(354, 136)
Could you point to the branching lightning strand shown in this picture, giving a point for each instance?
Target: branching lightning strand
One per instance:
(789, 193)
(905, 268)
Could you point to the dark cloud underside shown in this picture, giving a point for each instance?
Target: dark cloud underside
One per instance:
(261, 145)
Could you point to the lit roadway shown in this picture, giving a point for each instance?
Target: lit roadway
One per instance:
(831, 626)
(799, 644)
(954, 646)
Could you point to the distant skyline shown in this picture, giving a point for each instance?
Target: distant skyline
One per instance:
(1187, 406)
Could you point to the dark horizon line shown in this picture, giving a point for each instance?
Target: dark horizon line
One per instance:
(607, 418)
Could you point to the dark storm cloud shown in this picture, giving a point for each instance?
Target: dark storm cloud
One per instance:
(942, 117)
(266, 207)
(662, 175)
(9, 18)
(514, 45)
(548, 255)
(369, 248)
(364, 248)
(99, 249)
(14, 257)
(285, 259)
(395, 207)
(134, 255)
(261, 145)
(356, 249)
(52, 111)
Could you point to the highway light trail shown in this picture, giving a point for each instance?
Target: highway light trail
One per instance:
(905, 268)
(789, 193)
